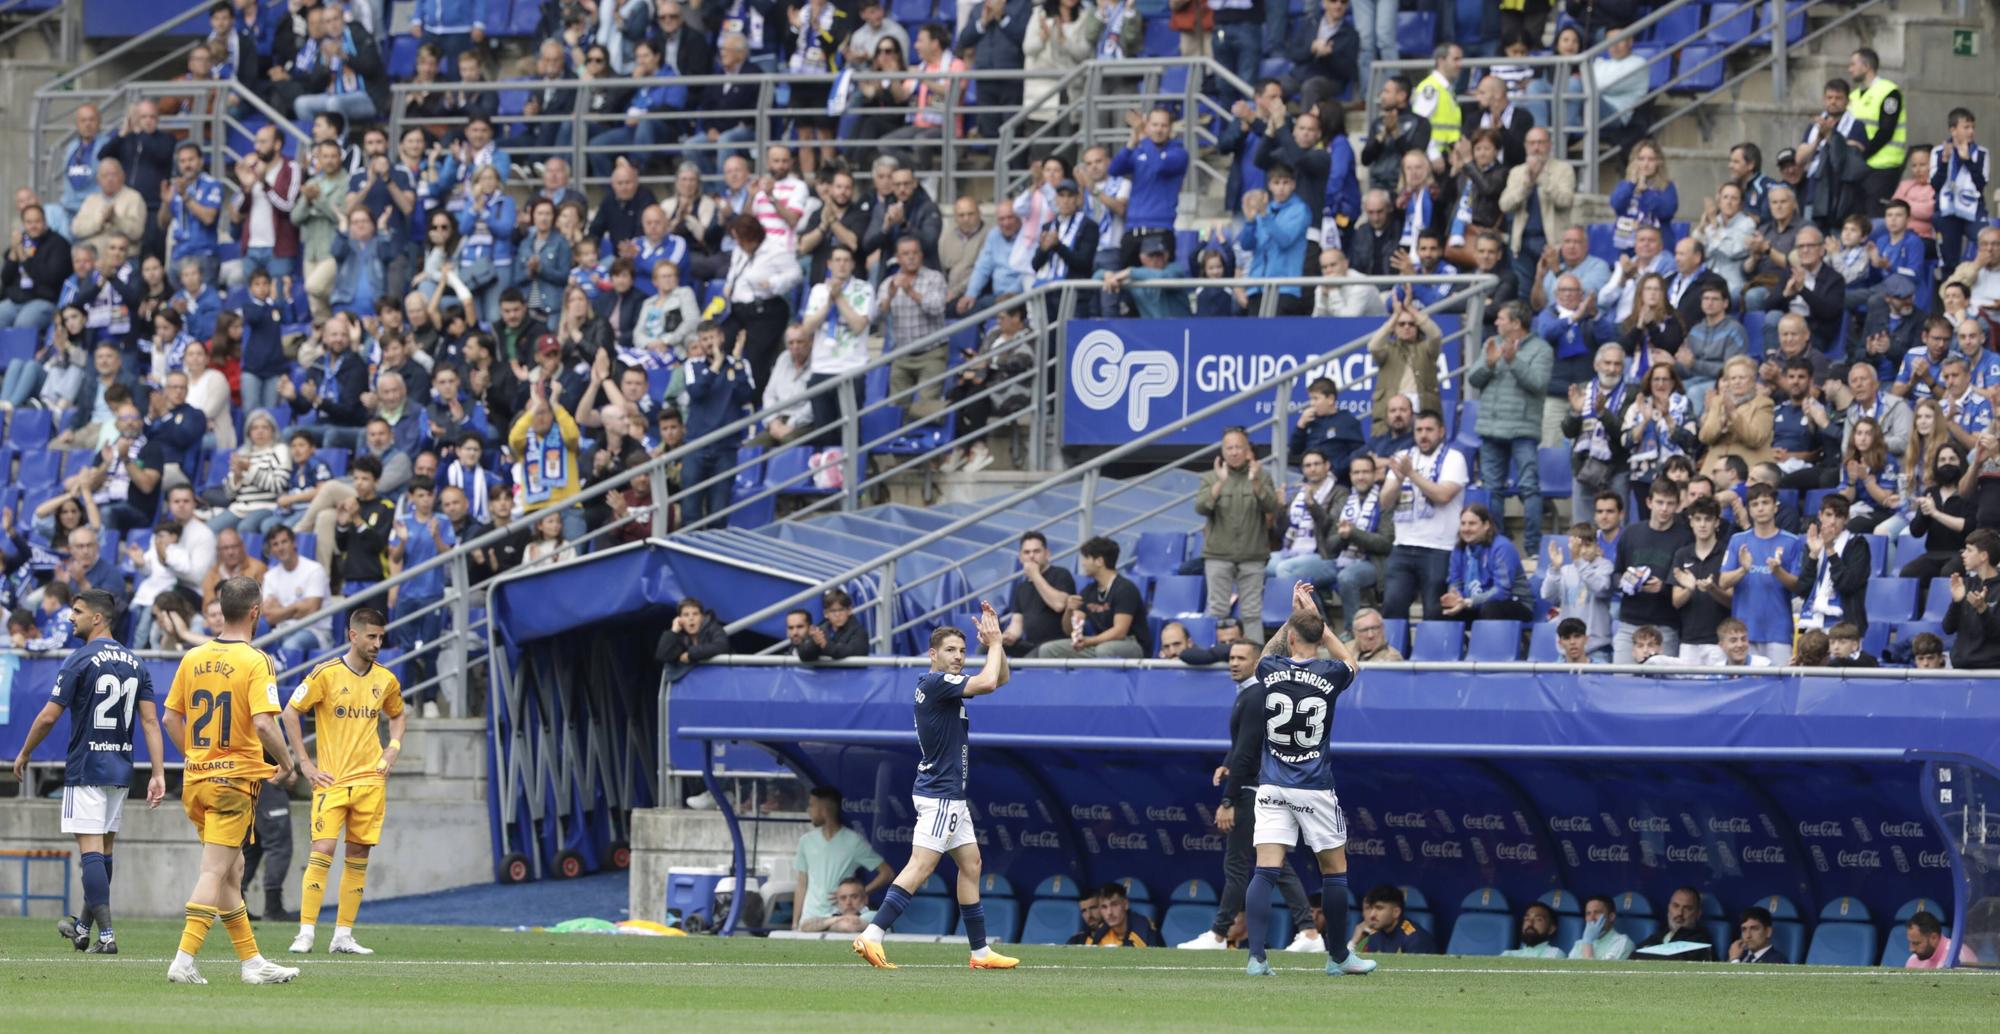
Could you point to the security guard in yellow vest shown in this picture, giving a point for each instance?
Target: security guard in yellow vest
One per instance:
(1878, 104)
(1434, 101)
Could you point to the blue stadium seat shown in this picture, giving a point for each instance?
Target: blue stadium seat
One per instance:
(1699, 79)
(1494, 641)
(1195, 542)
(1280, 933)
(1003, 919)
(1678, 25)
(1908, 548)
(30, 429)
(1881, 550)
(1414, 900)
(335, 460)
(17, 343)
(1601, 236)
(912, 12)
(523, 18)
(1557, 480)
(1725, 27)
(994, 885)
(928, 915)
(1468, 418)
(1481, 933)
(41, 468)
(1941, 909)
(1753, 324)
(1396, 631)
(1876, 639)
(1193, 892)
(1438, 641)
(1135, 890)
(403, 57)
(1185, 922)
(1277, 602)
(1786, 931)
(1485, 899)
(1893, 599)
(1542, 642)
(1637, 927)
(1416, 32)
(1177, 594)
(1159, 553)
(1635, 915)
(1936, 601)
(1159, 40)
(1062, 887)
(1844, 936)
(934, 887)
(1905, 631)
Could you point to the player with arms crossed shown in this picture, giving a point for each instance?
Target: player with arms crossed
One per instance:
(99, 685)
(221, 711)
(1295, 782)
(944, 823)
(347, 697)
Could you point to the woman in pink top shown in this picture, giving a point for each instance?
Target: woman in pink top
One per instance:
(1916, 190)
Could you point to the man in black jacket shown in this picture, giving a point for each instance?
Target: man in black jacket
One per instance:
(1814, 290)
(730, 95)
(1325, 55)
(683, 51)
(1974, 616)
(1234, 816)
(618, 214)
(1395, 131)
(37, 263)
(1067, 249)
(1371, 243)
(147, 153)
(1301, 146)
(910, 213)
(1497, 111)
(695, 636)
(333, 388)
(839, 635)
(1834, 579)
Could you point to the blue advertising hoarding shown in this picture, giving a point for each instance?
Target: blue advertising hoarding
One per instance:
(1127, 377)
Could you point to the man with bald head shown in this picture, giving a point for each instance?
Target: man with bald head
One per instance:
(115, 208)
(618, 214)
(1540, 196)
(78, 164)
(1497, 111)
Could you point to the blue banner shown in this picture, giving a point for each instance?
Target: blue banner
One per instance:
(1127, 377)
(26, 688)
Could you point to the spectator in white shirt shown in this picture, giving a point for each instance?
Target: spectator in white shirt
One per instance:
(294, 587)
(1734, 637)
(1351, 299)
(788, 382)
(191, 558)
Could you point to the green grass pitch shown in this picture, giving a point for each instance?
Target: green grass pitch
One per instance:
(488, 981)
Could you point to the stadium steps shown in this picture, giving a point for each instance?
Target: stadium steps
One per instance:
(822, 545)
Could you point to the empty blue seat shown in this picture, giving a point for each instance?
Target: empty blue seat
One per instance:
(1601, 237)
(1936, 601)
(1159, 39)
(1892, 599)
(403, 57)
(1416, 32)
(1193, 892)
(1051, 922)
(1396, 631)
(1699, 77)
(1414, 900)
(1494, 641)
(1177, 594)
(40, 468)
(30, 429)
(1842, 944)
(751, 476)
(1277, 603)
(1003, 919)
(1481, 933)
(1159, 553)
(1135, 889)
(927, 915)
(1632, 903)
(1057, 887)
(1485, 899)
(17, 343)
(335, 460)
(1908, 548)
(1438, 641)
(1542, 643)
(1468, 419)
(1678, 24)
(1557, 480)
(1185, 922)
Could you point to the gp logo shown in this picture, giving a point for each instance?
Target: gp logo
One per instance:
(1105, 373)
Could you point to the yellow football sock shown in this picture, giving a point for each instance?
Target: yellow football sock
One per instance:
(237, 922)
(351, 883)
(314, 890)
(199, 919)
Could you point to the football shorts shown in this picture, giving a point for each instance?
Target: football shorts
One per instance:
(1284, 814)
(222, 810)
(92, 809)
(356, 810)
(942, 826)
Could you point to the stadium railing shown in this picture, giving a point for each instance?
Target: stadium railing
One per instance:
(56, 102)
(1077, 122)
(61, 24)
(1690, 66)
(467, 628)
(211, 114)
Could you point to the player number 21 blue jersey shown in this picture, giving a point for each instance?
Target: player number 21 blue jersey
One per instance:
(101, 686)
(942, 726)
(1298, 712)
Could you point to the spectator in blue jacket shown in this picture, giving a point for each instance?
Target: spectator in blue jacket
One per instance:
(1243, 138)
(177, 427)
(640, 135)
(470, 153)
(1485, 580)
(1156, 163)
(363, 265)
(1343, 192)
(1153, 303)
(717, 386)
(1645, 197)
(1275, 234)
(995, 274)
(196, 301)
(264, 362)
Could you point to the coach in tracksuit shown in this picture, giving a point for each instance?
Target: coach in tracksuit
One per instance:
(1235, 817)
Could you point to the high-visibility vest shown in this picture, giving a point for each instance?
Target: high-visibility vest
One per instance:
(1434, 93)
(1867, 106)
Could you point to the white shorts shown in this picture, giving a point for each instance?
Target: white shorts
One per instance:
(1285, 813)
(93, 809)
(942, 826)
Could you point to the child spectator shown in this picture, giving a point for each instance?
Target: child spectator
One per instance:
(1581, 587)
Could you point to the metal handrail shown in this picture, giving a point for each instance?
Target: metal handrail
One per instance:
(885, 562)
(68, 14)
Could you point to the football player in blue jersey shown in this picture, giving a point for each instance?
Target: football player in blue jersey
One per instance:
(1295, 780)
(944, 823)
(104, 688)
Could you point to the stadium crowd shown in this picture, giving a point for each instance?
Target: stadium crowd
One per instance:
(345, 360)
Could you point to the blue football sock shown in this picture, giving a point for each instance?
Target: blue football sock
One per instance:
(107, 870)
(1257, 908)
(1333, 903)
(893, 904)
(974, 917)
(96, 886)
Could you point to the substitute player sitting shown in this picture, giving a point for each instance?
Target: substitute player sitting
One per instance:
(98, 685)
(1295, 781)
(944, 823)
(347, 697)
(219, 711)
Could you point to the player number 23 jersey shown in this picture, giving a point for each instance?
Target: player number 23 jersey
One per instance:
(220, 686)
(1298, 713)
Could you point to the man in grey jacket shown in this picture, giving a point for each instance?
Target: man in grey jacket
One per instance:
(1512, 375)
(1710, 344)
